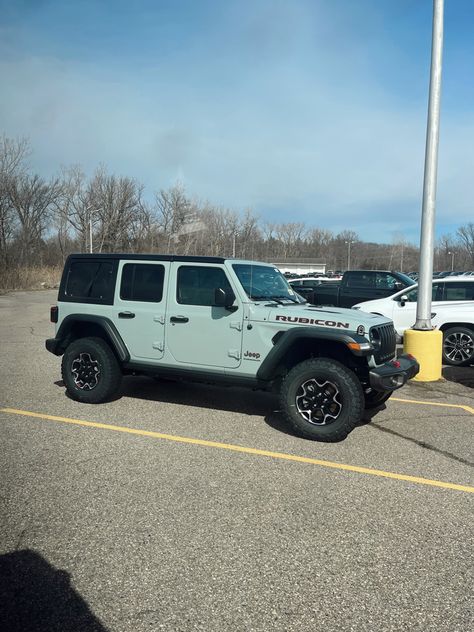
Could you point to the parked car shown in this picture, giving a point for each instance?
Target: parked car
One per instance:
(304, 286)
(221, 320)
(452, 309)
(359, 285)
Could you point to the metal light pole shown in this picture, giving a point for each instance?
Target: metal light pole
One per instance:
(423, 307)
(349, 254)
(422, 341)
(452, 260)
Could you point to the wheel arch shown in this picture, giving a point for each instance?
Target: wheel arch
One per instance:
(77, 326)
(445, 326)
(296, 345)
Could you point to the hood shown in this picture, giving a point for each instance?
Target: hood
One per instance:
(310, 315)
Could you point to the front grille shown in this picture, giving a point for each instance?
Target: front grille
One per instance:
(384, 341)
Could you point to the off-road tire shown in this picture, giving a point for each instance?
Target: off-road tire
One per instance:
(93, 360)
(348, 401)
(376, 398)
(465, 338)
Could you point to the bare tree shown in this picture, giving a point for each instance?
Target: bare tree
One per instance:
(13, 154)
(466, 237)
(32, 199)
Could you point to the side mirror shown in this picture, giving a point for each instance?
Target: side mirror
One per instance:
(398, 285)
(223, 298)
(403, 299)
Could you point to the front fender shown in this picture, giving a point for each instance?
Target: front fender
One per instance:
(357, 344)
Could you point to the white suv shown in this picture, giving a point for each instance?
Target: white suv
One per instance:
(452, 312)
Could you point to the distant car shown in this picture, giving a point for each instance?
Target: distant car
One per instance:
(447, 293)
(304, 286)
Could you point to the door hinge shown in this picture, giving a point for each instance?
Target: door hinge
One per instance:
(236, 324)
(234, 353)
(159, 319)
(158, 345)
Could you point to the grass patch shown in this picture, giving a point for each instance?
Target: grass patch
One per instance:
(36, 278)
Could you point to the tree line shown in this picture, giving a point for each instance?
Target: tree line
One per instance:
(43, 220)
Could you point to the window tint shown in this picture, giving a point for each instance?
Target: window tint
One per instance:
(361, 279)
(197, 284)
(462, 291)
(142, 282)
(90, 280)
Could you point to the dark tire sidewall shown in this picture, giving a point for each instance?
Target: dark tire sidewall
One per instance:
(110, 374)
(351, 395)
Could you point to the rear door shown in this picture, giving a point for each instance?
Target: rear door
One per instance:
(198, 332)
(139, 307)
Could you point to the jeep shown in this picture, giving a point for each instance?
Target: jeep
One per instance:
(227, 321)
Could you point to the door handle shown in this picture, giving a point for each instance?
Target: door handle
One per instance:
(126, 315)
(179, 319)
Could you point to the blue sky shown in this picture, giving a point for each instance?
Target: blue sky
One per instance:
(303, 110)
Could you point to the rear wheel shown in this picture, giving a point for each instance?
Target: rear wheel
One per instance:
(322, 399)
(458, 346)
(90, 371)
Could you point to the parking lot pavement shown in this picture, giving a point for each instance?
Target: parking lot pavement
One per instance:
(168, 530)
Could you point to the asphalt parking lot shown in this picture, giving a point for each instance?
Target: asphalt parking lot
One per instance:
(188, 507)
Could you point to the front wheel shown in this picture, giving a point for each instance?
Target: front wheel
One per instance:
(322, 399)
(458, 346)
(90, 371)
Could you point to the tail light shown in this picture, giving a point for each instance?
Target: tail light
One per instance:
(53, 314)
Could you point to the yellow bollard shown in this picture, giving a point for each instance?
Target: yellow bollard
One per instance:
(427, 347)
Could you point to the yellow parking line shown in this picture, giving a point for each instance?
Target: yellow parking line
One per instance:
(416, 401)
(238, 448)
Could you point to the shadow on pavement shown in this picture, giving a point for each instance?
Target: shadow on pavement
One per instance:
(230, 399)
(36, 597)
(460, 374)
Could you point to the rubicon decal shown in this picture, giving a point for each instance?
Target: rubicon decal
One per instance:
(312, 321)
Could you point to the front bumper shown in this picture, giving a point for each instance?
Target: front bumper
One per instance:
(394, 374)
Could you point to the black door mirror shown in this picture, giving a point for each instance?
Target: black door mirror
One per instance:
(223, 298)
(403, 299)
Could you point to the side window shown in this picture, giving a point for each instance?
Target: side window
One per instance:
(412, 295)
(196, 284)
(386, 281)
(361, 280)
(462, 291)
(90, 281)
(142, 282)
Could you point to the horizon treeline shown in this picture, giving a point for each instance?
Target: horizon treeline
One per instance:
(43, 220)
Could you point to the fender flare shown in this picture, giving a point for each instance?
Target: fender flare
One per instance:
(288, 338)
(56, 345)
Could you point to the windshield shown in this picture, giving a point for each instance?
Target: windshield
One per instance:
(264, 282)
(405, 278)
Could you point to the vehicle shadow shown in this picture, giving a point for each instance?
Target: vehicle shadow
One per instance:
(36, 597)
(230, 399)
(460, 374)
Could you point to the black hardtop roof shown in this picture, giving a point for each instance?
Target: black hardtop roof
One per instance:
(145, 257)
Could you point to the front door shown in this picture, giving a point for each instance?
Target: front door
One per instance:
(198, 332)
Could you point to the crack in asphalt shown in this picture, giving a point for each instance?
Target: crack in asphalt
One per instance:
(424, 445)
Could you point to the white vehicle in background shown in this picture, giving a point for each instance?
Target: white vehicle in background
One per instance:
(452, 312)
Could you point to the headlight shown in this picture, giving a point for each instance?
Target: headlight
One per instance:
(375, 339)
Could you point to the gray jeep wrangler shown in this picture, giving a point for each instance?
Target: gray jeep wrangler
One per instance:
(222, 321)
